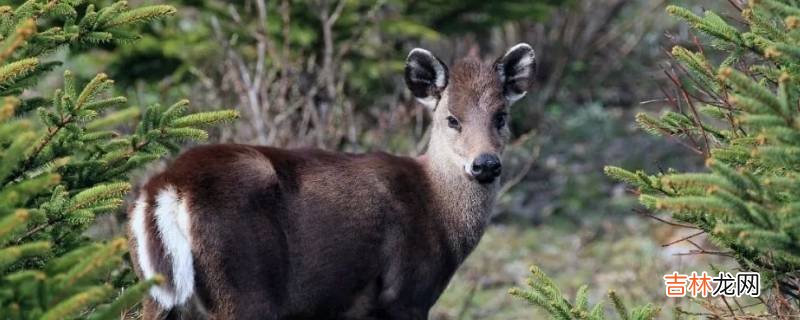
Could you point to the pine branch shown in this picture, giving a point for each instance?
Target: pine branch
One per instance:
(747, 199)
(55, 178)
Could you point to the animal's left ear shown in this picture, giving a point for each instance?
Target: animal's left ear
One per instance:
(426, 77)
(516, 69)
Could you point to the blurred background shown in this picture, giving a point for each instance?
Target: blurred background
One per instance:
(328, 73)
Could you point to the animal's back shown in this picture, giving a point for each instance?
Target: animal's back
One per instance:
(241, 219)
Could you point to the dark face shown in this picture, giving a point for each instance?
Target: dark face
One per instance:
(470, 106)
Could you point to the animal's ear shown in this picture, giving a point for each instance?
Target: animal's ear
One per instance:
(426, 76)
(516, 69)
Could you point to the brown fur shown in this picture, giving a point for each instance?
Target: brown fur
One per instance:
(312, 234)
(260, 228)
(474, 102)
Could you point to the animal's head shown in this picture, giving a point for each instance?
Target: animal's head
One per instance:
(470, 105)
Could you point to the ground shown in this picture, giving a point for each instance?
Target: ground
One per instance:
(624, 254)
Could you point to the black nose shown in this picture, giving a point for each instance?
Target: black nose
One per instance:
(485, 168)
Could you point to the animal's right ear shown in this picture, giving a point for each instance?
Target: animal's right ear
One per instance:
(426, 76)
(516, 70)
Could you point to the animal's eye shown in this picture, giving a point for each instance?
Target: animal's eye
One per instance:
(452, 122)
(500, 120)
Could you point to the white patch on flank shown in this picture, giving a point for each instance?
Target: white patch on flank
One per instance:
(183, 221)
(438, 68)
(138, 226)
(172, 219)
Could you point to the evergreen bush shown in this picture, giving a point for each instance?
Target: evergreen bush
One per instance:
(544, 293)
(743, 115)
(62, 162)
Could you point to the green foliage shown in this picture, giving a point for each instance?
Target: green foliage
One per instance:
(454, 16)
(544, 293)
(748, 126)
(370, 36)
(62, 164)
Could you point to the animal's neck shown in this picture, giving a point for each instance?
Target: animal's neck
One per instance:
(463, 206)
